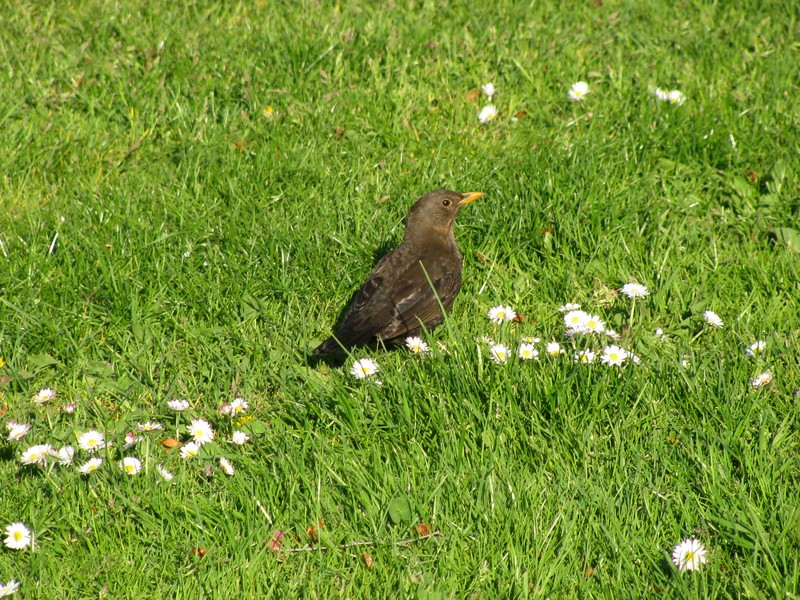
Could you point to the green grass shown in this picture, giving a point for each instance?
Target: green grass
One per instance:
(221, 178)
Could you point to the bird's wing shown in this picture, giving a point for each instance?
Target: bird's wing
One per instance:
(395, 299)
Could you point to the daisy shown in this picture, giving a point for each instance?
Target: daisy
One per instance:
(689, 555)
(239, 437)
(90, 466)
(485, 339)
(761, 380)
(190, 450)
(226, 466)
(529, 339)
(528, 352)
(200, 430)
(149, 426)
(130, 440)
(501, 314)
(585, 357)
(35, 455)
(554, 348)
(69, 408)
(9, 588)
(63, 456)
(593, 324)
(226, 408)
(575, 320)
(416, 345)
(676, 97)
(754, 348)
(578, 91)
(238, 406)
(634, 290)
(660, 334)
(499, 353)
(19, 536)
(661, 95)
(165, 475)
(635, 358)
(131, 465)
(44, 395)
(488, 113)
(178, 405)
(364, 368)
(16, 431)
(612, 334)
(713, 319)
(569, 306)
(614, 356)
(91, 441)
(488, 90)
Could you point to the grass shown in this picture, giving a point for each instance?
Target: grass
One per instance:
(192, 191)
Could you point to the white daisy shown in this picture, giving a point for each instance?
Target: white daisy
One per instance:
(614, 356)
(612, 334)
(660, 334)
(36, 455)
(585, 357)
(90, 466)
(761, 380)
(16, 431)
(364, 368)
(689, 555)
(554, 348)
(713, 319)
(178, 405)
(226, 466)
(661, 95)
(200, 430)
(499, 353)
(634, 290)
(239, 406)
(131, 465)
(416, 345)
(165, 475)
(488, 90)
(528, 352)
(575, 320)
(91, 441)
(501, 314)
(239, 437)
(44, 395)
(675, 97)
(569, 306)
(18, 536)
(9, 589)
(488, 113)
(149, 426)
(69, 408)
(578, 91)
(190, 450)
(64, 456)
(754, 348)
(593, 324)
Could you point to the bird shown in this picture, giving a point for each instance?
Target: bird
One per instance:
(409, 287)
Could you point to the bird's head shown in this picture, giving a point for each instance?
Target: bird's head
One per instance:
(435, 212)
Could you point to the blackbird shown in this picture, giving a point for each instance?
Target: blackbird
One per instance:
(403, 293)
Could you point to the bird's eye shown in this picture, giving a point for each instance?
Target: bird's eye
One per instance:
(445, 202)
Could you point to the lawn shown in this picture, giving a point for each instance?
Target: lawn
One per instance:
(192, 192)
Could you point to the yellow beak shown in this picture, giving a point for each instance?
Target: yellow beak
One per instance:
(470, 197)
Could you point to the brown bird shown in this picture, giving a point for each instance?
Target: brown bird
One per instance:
(403, 292)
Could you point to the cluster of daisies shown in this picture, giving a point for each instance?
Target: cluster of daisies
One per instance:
(94, 450)
(577, 93)
(90, 443)
(580, 328)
